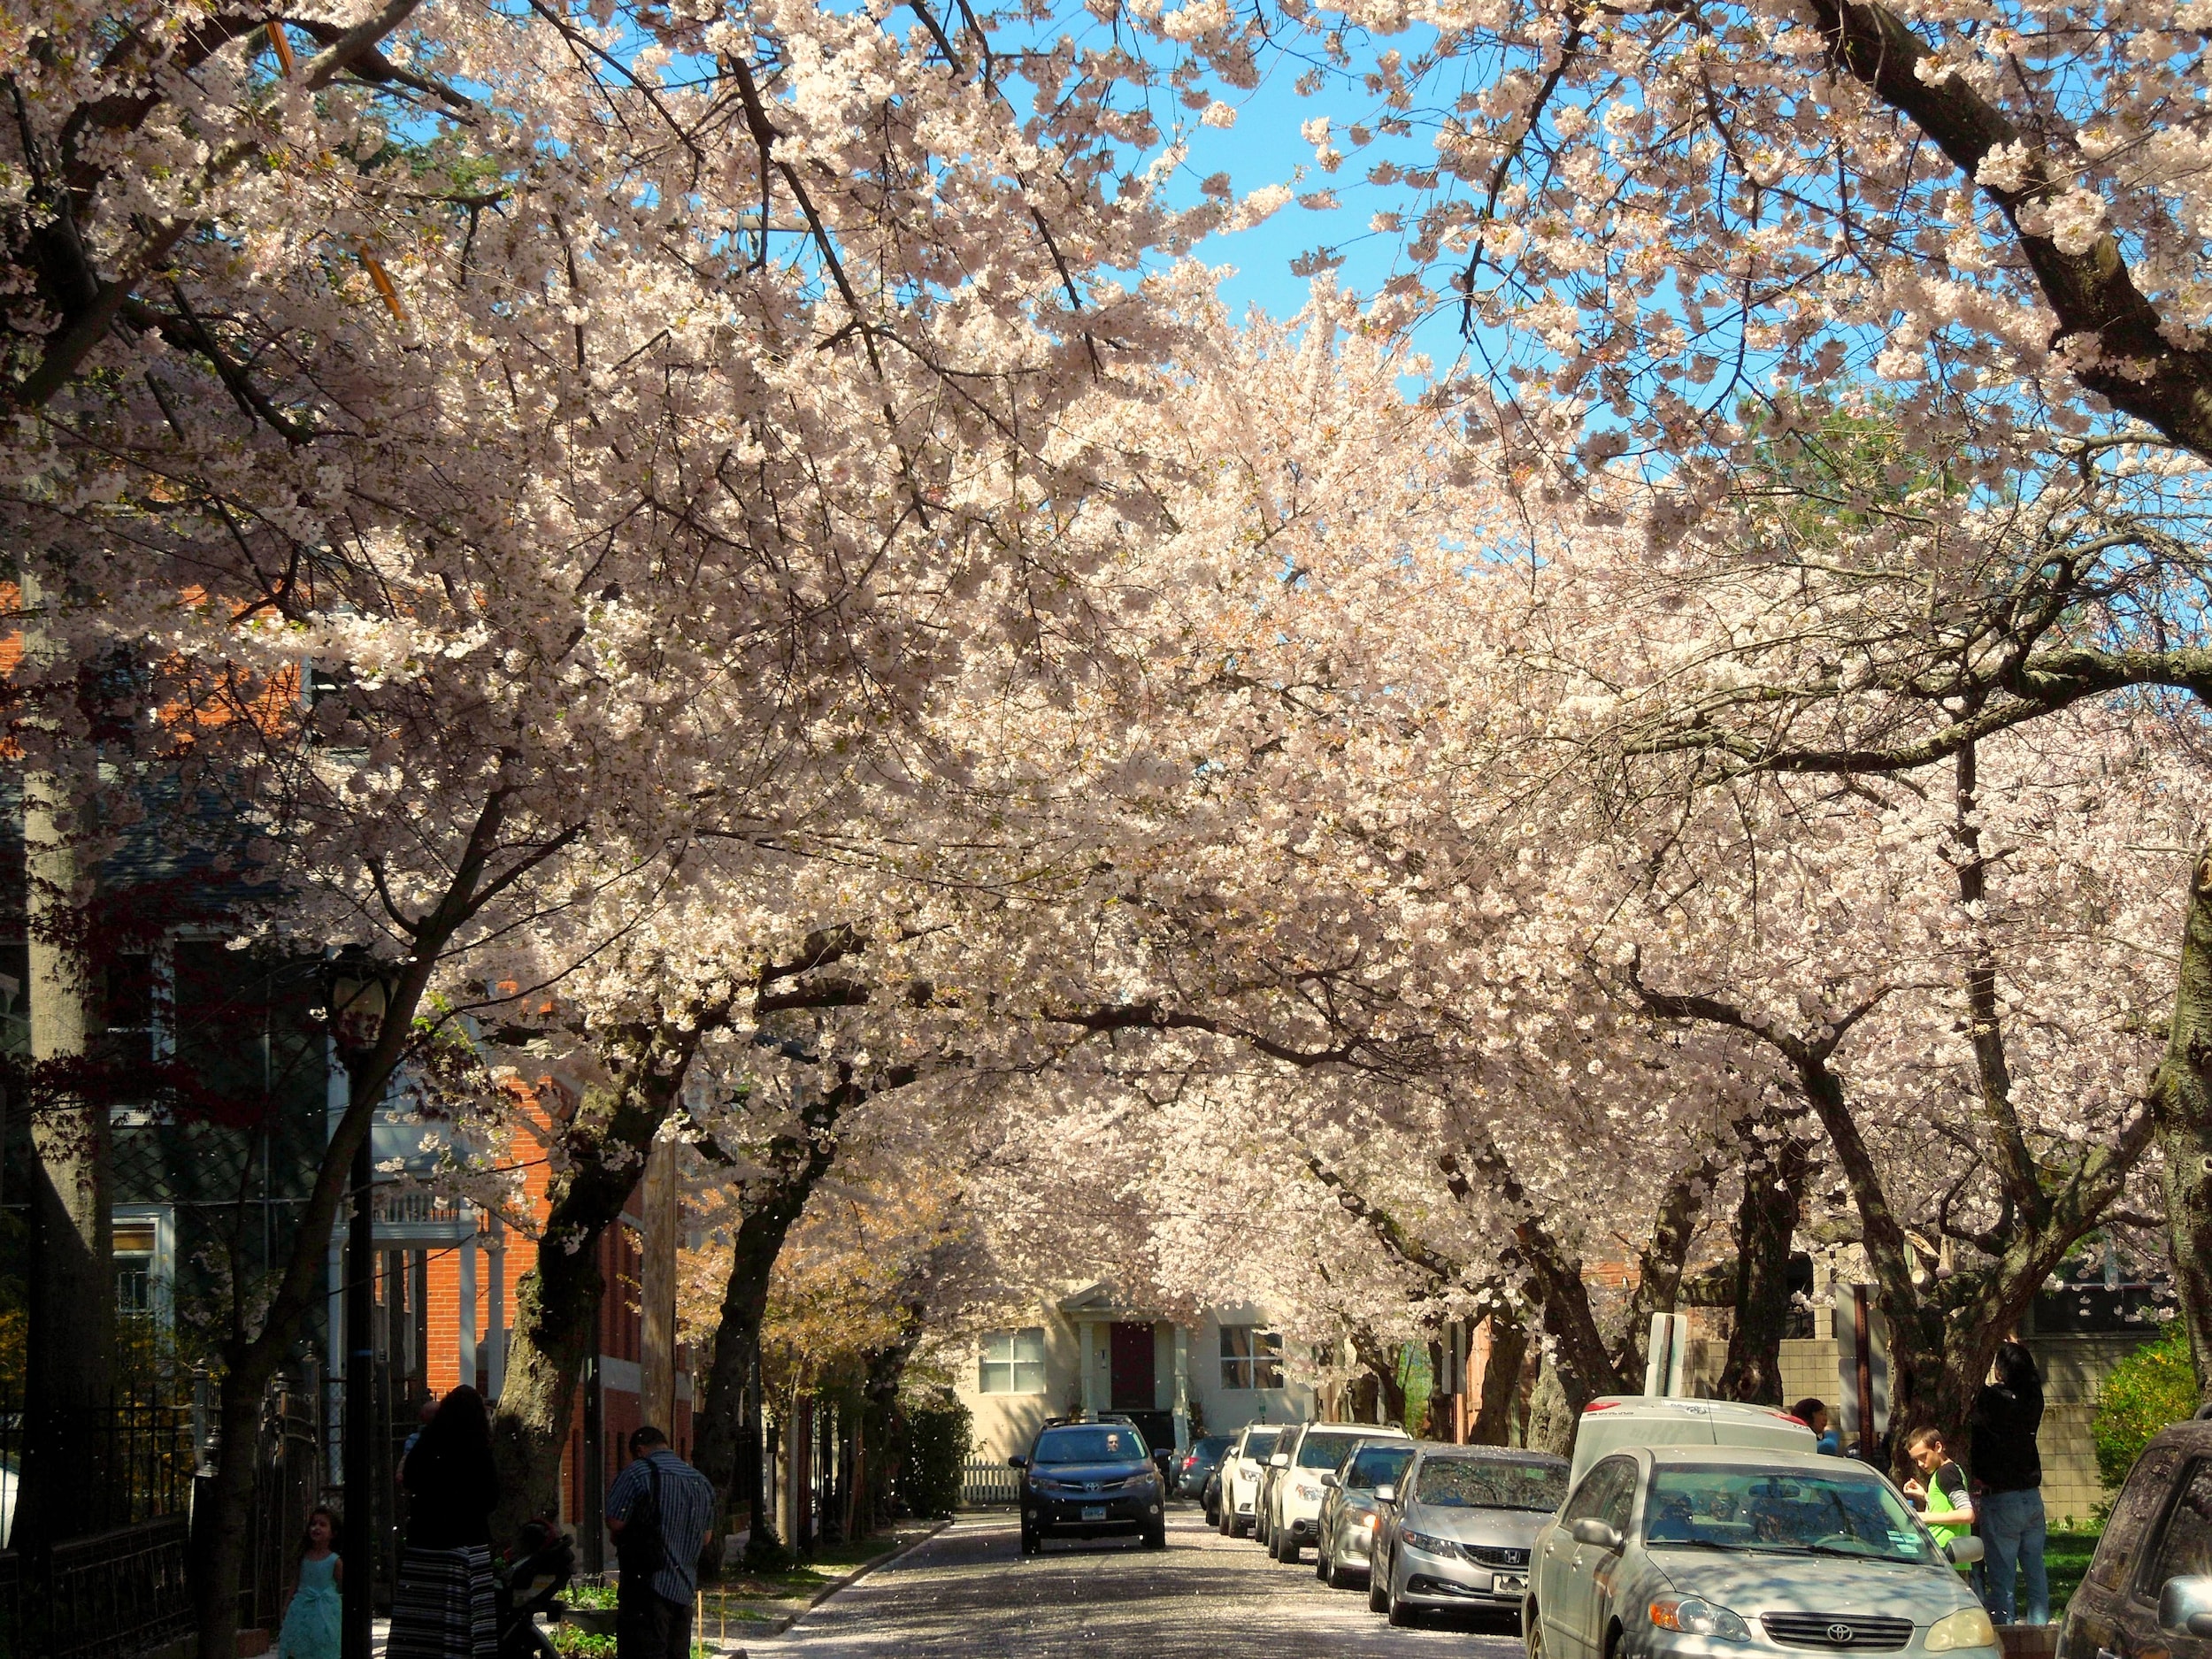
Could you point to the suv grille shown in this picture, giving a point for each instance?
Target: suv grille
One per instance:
(1856, 1632)
(1491, 1555)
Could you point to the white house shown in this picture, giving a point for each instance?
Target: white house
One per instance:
(1090, 1351)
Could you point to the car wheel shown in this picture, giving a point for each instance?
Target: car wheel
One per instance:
(1292, 1550)
(1533, 1632)
(1155, 1538)
(1378, 1588)
(1339, 1578)
(1321, 1564)
(1221, 1524)
(1031, 1543)
(1399, 1611)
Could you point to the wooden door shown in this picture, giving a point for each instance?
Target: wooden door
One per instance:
(1132, 1375)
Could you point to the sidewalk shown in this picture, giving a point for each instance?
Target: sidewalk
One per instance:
(739, 1609)
(743, 1610)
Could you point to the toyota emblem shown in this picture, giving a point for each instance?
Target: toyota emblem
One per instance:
(1839, 1634)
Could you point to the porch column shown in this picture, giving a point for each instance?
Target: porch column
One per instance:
(1089, 1329)
(465, 1354)
(1182, 1390)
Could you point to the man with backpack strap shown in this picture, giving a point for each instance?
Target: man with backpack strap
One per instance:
(660, 1512)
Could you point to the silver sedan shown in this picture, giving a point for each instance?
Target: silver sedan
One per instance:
(1457, 1531)
(1710, 1552)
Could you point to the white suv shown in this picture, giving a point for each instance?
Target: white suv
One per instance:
(1293, 1496)
(1241, 1470)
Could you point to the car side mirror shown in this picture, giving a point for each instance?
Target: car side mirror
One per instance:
(1281, 1460)
(1386, 1493)
(1596, 1533)
(1018, 1463)
(2185, 1606)
(1964, 1552)
(1329, 1480)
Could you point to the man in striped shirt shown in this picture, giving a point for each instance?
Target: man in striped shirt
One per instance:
(660, 1512)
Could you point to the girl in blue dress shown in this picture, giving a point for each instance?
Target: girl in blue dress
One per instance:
(310, 1623)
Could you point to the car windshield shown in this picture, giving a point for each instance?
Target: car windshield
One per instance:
(1490, 1483)
(1765, 1509)
(1325, 1451)
(1377, 1466)
(1260, 1442)
(1103, 1444)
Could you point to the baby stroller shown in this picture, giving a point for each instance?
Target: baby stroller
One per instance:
(537, 1569)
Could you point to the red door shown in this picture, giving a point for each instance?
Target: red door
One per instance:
(1132, 1367)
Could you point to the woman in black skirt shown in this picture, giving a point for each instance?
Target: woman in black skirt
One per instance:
(441, 1607)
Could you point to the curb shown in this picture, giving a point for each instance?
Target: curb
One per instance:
(783, 1622)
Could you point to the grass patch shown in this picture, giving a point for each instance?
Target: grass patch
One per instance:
(828, 1563)
(2066, 1560)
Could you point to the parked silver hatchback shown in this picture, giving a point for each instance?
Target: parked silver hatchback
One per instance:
(1687, 1552)
(1458, 1529)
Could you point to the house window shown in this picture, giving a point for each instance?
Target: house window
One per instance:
(142, 1265)
(1251, 1357)
(1013, 1361)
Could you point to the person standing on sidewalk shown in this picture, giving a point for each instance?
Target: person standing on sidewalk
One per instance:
(660, 1512)
(2008, 1470)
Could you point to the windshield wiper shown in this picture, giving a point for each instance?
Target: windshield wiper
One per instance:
(1693, 1543)
(1829, 1550)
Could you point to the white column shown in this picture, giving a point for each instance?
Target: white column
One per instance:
(1090, 1367)
(1182, 1389)
(466, 1297)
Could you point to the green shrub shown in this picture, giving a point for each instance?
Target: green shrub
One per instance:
(2152, 1387)
(939, 1432)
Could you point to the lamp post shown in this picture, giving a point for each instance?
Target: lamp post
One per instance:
(357, 990)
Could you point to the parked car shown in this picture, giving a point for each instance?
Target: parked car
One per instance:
(1616, 1421)
(1197, 1466)
(1240, 1467)
(1457, 1528)
(1291, 1499)
(1678, 1552)
(1089, 1479)
(1344, 1532)
(2148, 1590)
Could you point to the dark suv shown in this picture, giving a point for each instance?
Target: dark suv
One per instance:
(1089, 1479)
(2149, 1589)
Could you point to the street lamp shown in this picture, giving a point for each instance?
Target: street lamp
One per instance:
(358, 991)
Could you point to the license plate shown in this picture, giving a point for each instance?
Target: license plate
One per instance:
(1506, 1584)
(1093, 1511)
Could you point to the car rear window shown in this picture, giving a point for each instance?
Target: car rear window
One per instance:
(1089, 1445)
(1377, 1466)
(1213, 1446)
(1325, 1451)
(1261, 1442)
(1490, 1483)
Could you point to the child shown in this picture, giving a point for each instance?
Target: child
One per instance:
(1946, 1508)
(310, 1623)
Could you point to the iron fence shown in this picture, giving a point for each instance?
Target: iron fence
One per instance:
(988, 1480)
(116, 1594)
(137, 1455)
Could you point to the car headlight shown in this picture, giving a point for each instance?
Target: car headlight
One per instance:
(1367, 1521)
(1429, 1545)
(1968, 1627)
(1696, 1618)
(1137, 1483)
(1308, 1494)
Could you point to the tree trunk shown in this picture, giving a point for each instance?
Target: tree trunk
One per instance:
(1500, 1382)
(70, 1365)
(1774, 1177)
(2181, 1097)
(251, 1355)
(717, 1425)
(558, 1301)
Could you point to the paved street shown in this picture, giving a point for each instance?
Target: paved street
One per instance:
(969, 1593)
